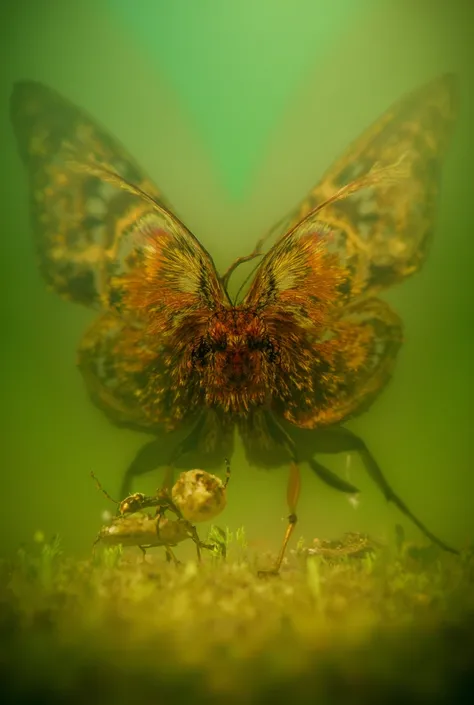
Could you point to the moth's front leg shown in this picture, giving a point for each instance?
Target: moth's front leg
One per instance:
(155, 454)
(292, 495)
(149, 457)
(282, 439)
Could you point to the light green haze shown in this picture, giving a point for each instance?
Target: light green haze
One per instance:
(236, 109)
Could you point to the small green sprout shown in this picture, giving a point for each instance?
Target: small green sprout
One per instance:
(300, 546)
(49, 561)
(111, 556)
(242, 544)
(219, 539)
(368, 561)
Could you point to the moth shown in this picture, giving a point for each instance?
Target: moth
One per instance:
(308, 346)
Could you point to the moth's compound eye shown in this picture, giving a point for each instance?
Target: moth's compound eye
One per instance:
(220, 344)
(200, 352)
(264, 345)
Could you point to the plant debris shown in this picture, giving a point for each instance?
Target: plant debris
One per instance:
(368, 627)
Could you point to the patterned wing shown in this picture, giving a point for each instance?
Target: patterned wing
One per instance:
(300, 279)
(384, 232)
(334, 355)
(351, 366)
(164, 278)
(162, 288)
(126, 377)
(77, 218)
(116, 364)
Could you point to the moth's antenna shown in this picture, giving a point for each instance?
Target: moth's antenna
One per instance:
(378, 175)
(246, 280)
(241, 260)
(256, 252)
(107, 174)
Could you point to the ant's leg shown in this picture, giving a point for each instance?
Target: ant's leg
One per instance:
(170, 556)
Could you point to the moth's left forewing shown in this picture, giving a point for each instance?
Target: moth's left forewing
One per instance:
(105, 236)
(165, 279)
(78, 219)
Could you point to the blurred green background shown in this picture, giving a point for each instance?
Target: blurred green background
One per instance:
(235, 109)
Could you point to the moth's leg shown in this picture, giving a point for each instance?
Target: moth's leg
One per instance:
(152, 456)
(292, 496)
(330, 478)
(148, 458)
(143, 550)
(341, 440)
(188, 444)
(168, 479)
(292, 493)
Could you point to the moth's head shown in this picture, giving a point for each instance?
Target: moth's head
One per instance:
(235, 352)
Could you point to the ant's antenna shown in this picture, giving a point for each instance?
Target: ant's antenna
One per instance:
(99, 487)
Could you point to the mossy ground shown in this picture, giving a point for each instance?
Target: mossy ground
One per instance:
(392, 627)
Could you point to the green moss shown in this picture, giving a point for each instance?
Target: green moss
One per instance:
(117, 629)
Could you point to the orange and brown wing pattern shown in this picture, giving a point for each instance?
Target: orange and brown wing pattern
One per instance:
(351, 365)
(77, 218)
(117, 363)
(171, 278)
(384, 232)
(162, 289)
(301, 279)
(334, 356)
